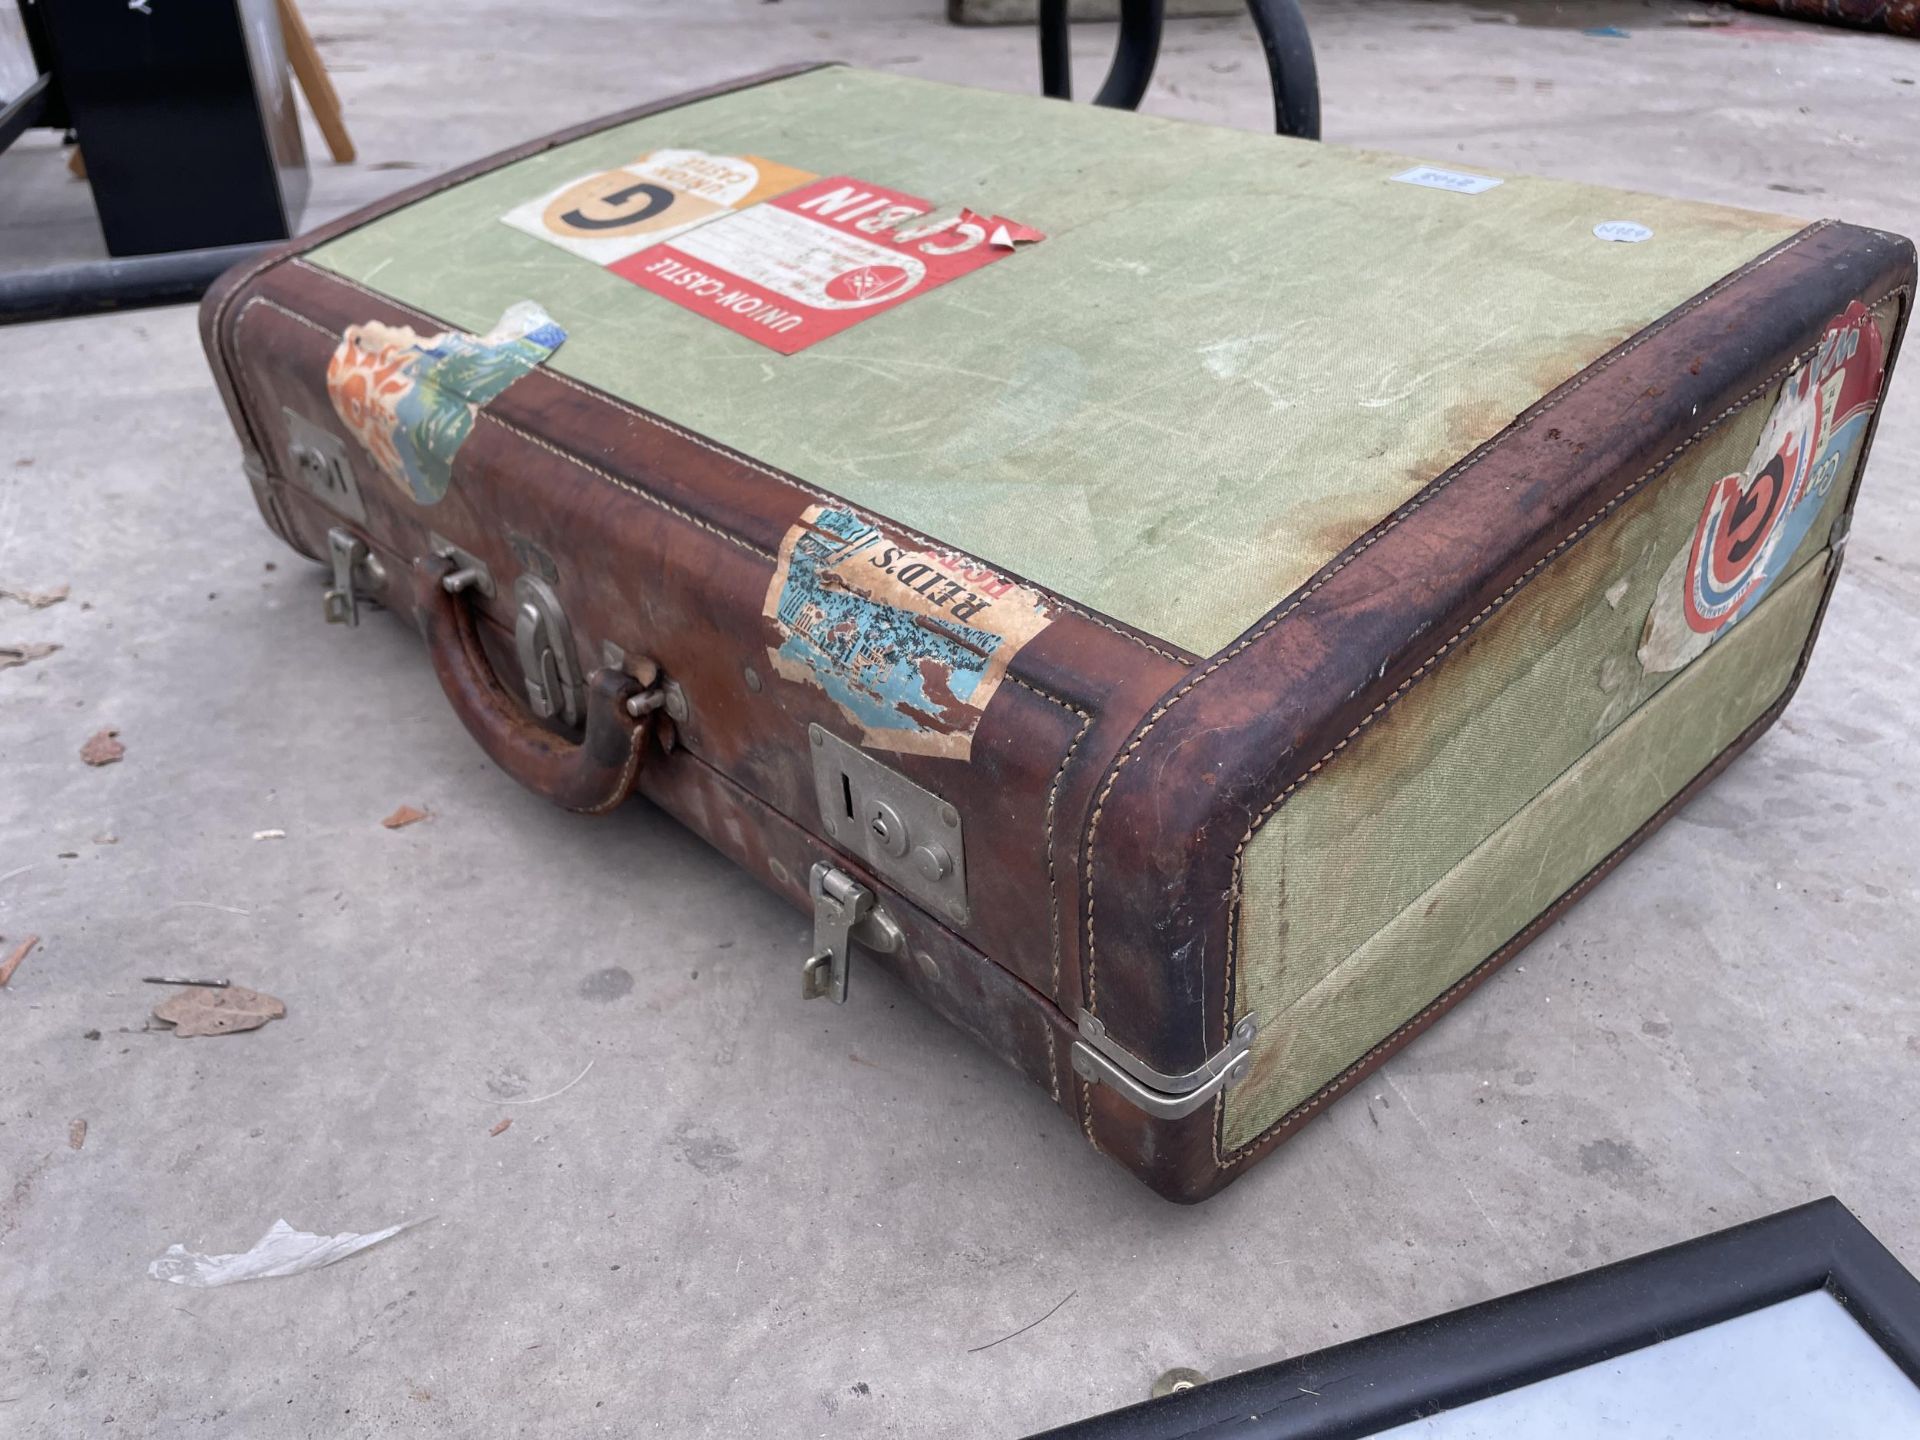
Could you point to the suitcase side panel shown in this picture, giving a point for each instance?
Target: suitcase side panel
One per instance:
(1407, 594)
(1433, 780)
(1325, 1005)
(671, 558)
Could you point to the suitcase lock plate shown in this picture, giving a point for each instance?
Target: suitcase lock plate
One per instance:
(317, 460)
(844, 910)
(902, 832)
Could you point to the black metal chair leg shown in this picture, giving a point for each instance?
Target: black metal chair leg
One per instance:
(1141, 22)
(1290, 67)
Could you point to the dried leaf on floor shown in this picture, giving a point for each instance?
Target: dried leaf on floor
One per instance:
(501, 1127)
(35, 599)
(76, 1134)
(15, 956)
(12, 655)
(201, 1011)
(406, 815)
(102, 748)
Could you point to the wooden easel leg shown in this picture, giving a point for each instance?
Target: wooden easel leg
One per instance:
(304, 57)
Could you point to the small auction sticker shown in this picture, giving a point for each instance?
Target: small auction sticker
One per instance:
(1625, 232)
(802, 266)
(1458, 181)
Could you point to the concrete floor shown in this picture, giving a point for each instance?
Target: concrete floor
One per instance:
(755, 1215)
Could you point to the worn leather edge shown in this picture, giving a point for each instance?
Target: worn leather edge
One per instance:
(221, 296)
(1162, 840)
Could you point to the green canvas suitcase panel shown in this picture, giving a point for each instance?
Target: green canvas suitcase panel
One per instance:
(1189, 603)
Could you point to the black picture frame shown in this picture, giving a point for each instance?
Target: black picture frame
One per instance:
(1358, 1389)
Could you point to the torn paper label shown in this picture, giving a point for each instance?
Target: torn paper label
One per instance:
(1002, 233)
(911, 643)
(283, 1250)
(1756, 521)
(808, 264)
(412, 401)
(611, 214)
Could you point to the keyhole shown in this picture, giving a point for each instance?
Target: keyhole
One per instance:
(846, 793)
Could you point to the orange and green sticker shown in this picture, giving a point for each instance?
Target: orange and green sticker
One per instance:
(611, 214)
(412, 400)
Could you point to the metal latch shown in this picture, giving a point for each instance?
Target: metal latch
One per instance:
(1100, 1060)
(356, 569)
(543, 640)
(844, 910)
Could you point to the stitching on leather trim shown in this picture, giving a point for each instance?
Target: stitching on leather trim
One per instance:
(1053, 883)
(1233, 932)
(647, 495)
(631, 488)
(693, 437)
(1354, 552)
(623, 787)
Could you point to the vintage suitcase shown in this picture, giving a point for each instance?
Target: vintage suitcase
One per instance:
(1189, 603)
(1901, 17)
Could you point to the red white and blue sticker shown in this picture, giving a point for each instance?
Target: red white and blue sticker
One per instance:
(805, 265)
(1755, 521)
(747, 243)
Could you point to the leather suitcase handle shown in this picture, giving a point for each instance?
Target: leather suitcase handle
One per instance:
(591, 777)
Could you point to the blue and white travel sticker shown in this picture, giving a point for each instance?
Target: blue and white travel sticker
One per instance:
(910, 642)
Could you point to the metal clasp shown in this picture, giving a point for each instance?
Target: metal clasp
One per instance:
(1100, 1060)
(543, 640)
(844, 910)
(356, 569)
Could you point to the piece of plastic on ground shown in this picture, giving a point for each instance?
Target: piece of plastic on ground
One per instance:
(283, 1250)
